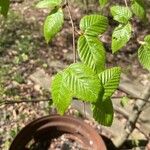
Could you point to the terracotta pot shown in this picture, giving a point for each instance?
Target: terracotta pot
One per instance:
(50, 127)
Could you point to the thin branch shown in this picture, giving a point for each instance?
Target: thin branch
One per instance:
(141, 42)
(128, 86)
(125, 1)
(84, 105)
(144, 133)
(121, 111)
(126, 114)
(7, 102)
(131, 97)
(78, 32)
(73, 31)
(133, 117)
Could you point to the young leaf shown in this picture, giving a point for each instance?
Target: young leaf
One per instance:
(121, 14)
(92, 52)
(103, 112)
(110, 79)
(93, 25)
(4, 7)
(48, 3)
(124, 101)
(121, 35)
(144, 53)
(103, 2)
(61, 95)
(53, 24)
(138, 8)
(83, 82)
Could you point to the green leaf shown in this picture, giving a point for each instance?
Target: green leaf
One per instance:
(124, 101)
(121, 35)
(139, 9)
(93, 25)
(61, 95)
(53, 24)
(83, 82)
(103, 2)
(147, 39)
(121, 14)
(48, 3)
(4, 7)
(24, 57)
(92, 52)
(103, 112)
(144, 53)
(110, 79)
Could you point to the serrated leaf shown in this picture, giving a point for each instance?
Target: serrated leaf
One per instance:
(48, 3)
(121, 35)
(94, 25)
(144, 53)
(91, 52)
(103, 112)
(83, 82)
(110, 79)
(138, 8)
(147, 39)
(53, 24)
(4, 7)
(103, 2)
(121, 14)
(61, 95)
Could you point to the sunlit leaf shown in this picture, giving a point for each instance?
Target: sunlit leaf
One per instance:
(78, 81)
(92, 52)
(121, 35)
(61, 95)
(93, 25)
(144, 53)
(83, 82)
(53, 24)
(110, 79)
(121, 14)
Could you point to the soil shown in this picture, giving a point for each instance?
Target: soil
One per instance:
(23, 50)
(61, 143)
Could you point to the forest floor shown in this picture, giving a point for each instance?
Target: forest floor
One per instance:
(24, 53)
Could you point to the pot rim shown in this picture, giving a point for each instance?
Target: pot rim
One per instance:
(58, 125)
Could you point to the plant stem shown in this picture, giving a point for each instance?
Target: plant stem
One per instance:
(7, 102)
(125, 1)
(73, 32)
(130, 97)
(132, 120)
(84, 105)
(126, 114)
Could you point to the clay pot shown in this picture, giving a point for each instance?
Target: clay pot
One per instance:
(50, 127)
